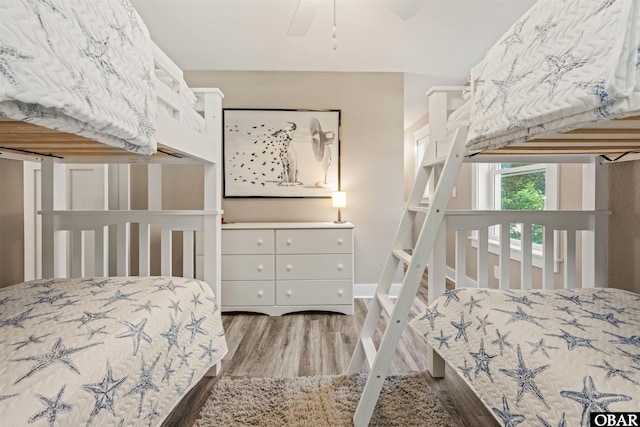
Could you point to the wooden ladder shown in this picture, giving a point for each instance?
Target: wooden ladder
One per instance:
(444, 172)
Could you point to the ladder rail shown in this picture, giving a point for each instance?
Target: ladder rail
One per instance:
(445, 176)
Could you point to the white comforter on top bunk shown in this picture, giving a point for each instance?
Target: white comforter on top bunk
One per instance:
(563, 65)
(83, 67)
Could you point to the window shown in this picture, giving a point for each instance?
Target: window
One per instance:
(515, 186)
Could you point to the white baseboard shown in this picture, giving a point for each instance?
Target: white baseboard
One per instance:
(367, 290)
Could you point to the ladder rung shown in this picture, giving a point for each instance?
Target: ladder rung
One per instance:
(434, 162)
(369, 351)
(418, 208)
(403, 255)
(386, 303)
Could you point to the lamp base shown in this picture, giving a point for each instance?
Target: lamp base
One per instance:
(339, 222)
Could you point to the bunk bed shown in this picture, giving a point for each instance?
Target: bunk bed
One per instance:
(81, 82)
(560, 86)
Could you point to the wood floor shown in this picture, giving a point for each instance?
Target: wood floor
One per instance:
(321, 344)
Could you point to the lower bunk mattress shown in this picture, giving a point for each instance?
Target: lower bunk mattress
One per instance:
(543, 357)
(113, 351)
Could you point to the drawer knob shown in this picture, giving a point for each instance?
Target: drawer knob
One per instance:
(289, 267)
(340, 267)
(260, 267)
(260, 242)
(289, 293)
(340, 292)
(288, 242)
(340, 241)
(260, 294)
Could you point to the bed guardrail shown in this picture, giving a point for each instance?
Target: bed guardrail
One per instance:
(557, 228)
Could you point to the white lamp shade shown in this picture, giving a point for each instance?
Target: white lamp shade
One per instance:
(339, 199)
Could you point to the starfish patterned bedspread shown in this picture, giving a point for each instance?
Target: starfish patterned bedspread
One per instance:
(563, 65)
(82, 67)
(104, 351)
(541, 358)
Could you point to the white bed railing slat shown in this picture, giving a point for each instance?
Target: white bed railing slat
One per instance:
(548, 254)
(100, 262)
(144, 249)
(77, 253)
(505, 255)
(570, 259)
(122, 243)
(188, 260)
(525, 268)
(165, 252)
(461, 258)
(483, 257)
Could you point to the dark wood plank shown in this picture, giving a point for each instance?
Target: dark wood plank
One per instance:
(306, 344)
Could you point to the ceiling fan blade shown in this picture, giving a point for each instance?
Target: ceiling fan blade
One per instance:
(405, 9)
(302, 18)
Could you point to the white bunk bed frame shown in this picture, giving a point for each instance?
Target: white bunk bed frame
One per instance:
(439, 170)
(177, 144)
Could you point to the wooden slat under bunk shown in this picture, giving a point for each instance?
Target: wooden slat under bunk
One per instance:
(28, 138)
(611, 138)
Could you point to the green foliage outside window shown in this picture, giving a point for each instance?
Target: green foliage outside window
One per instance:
(523, 191)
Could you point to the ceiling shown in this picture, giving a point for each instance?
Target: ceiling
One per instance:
(436, 46)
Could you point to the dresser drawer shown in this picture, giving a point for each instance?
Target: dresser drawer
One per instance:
(314, 292)
(314, 241)
(319, 266)
(247, 267)
(247, 241)
(245, 292)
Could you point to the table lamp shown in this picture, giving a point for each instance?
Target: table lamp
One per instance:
(339, 200)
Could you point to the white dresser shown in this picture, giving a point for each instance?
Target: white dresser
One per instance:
(282, 267)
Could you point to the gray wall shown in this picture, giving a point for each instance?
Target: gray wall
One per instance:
(371, 151)
(11, 222)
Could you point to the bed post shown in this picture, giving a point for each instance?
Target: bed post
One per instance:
(212, 232)
(53, 196)
(594, 197)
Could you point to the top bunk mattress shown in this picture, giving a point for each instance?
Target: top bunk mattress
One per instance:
(79, 67)
(562, 66)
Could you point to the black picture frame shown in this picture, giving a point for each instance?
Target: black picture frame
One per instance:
(281, 152)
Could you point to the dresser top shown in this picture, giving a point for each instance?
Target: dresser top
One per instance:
(283, 225)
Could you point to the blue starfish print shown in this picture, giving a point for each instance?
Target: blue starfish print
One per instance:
(135, 332)
(5, 300)
(8, 53)
(31, 340)
(88, 317)
(196, 300)
(574, 341)
(632, 340)
(196, 326)
(216, 306)
(574, 299)
(179, 390)
(619, 310)
(175, 306)
(170, 286)
(7, 396)
(472, 303)
(118, 296)
(184, 357)
(562, 423)
(443, 340)
(172, 334)
(168, 371)
(53, 406)
(147, 306)
(104, 393)
(208, 351)
(565, 309)
(543, 32)
(521, 315)
(609, 318)
(541, 346)
(466, 370)
(48, 299)
(604, 5)
(559, 66)
(145, 383)
(501, 341)
(431, 314)
(58, 354)
(483, 323)
(67, 303)
(452, 295)
(525, 378)
(524, 300)
(573, 322)
(634, 357)
(93, 332)
(17, 321)
(505, 415)
(482, 360)
(146, 128)
(592, 400)
(613, 372)
(462, 328)
(153, 413)
(503, 86)
(515, 37)
(46, 284)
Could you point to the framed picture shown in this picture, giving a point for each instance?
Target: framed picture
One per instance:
(281, 153)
